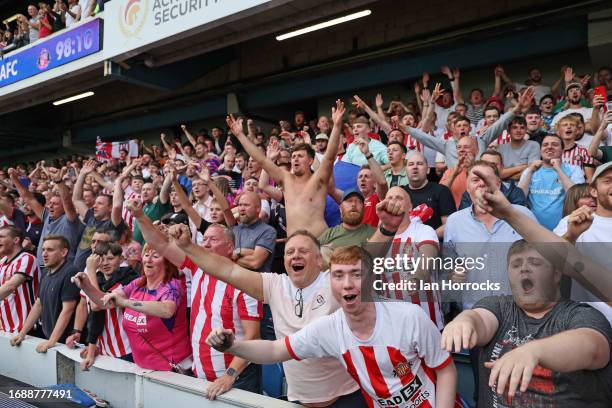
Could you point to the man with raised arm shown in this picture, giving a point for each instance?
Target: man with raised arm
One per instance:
(59, 217)
(391, 349)
(304, 191)
(296, 299)
(449, 147)
(212, 301)
(103, 216)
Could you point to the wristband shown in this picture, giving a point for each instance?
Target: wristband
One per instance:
(451, 79)
(386, 232)
(74, 331)
(369, 156)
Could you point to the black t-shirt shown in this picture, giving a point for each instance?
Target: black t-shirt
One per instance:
(585, 388)
(54, 289)
(437, 197)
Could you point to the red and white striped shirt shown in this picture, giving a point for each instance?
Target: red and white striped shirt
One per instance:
(127, 214)
(113, 341)
(395, 367)
(215, 304)
(413, 144)
(577, 156)
(14, 309)
(409, 242)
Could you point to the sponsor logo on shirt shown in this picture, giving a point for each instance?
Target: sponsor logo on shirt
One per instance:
(139, 320)
(406, 394)
(319, 301)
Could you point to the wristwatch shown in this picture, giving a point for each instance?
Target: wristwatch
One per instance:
(231, 372)
(237, 252)
(369, 156)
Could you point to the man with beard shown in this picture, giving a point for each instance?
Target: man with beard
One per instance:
(34, 225)
(351, 231)
(595, 241)
(254, 243)
(573, 95)
(536, 349)
(296, 299)
(304, 191)
(545, 182)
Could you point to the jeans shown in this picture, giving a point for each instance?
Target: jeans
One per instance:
(250, 379)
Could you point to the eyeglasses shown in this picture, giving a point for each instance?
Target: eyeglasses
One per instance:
(299, 306)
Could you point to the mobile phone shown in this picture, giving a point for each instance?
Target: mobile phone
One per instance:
(601, 91)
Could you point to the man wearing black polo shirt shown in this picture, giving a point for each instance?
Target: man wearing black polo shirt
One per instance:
(58, 296)
(434, 195)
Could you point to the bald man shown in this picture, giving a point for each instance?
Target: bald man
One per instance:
(456, 178)
(254, 245)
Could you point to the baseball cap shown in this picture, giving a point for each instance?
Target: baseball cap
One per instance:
(321, 136)
(349, 193)
(601, 169)
(176, 218)
(573, 85)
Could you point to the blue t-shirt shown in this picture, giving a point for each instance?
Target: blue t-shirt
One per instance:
(546, 194)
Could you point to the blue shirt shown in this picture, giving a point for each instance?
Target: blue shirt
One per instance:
(546, 194)
(465, 236)
(353, 153)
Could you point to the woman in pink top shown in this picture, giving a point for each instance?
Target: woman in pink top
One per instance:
(154, 315)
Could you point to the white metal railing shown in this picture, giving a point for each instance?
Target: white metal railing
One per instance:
(123, 384)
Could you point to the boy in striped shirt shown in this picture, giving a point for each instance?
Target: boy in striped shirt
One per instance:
(392, 350)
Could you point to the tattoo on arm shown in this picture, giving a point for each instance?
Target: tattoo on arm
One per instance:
(136, 304)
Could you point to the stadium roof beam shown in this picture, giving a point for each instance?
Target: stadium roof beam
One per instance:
(172, 76)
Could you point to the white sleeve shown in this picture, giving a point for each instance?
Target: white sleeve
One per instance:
(426, 339)
(426, 235)
(265, 207)
(440, 158)
(314, 340)
(576, 175)
(561, 228)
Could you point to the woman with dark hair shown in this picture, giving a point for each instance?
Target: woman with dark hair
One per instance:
(154, 316)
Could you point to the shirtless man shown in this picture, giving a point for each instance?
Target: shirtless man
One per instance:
(304, 191)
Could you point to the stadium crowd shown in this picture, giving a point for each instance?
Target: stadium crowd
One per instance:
(211, 254)
(44, 19)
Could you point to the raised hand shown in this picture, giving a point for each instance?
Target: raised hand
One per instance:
(525, 100)
(93, 262)
(363, 146)
(446, 71)
(89, 166)
(220, 339)
(359, 104)
(390, 213)
(437, 92)
(379, 100)
(425, 95)
(584, 81)
(205, 174)
(273, 150)
(181, 235)
(499, 71)
(491, 199)
(456, 73)
(235, 125)
(338, 113)
(579, 221)
(136, 207)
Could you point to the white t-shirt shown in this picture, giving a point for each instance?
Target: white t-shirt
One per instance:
(540, 91)
(442, 115)
(311, 380)
(596, 243)
(394, 367)
(561, 228)
(76, 9)
(85, 5)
